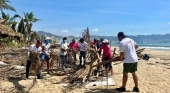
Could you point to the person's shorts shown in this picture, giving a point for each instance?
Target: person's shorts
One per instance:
(44, 56)
(108, 65)
(130, 67)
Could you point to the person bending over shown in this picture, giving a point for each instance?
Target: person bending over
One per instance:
(37, 49)
(128, 55)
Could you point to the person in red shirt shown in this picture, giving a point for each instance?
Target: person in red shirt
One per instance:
(74, 46)
(94, 43)
(107, 54)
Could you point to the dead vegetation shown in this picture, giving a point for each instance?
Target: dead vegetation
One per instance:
(75, 77)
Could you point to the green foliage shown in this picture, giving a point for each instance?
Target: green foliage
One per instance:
(43, 37)
(29, 19)
(9, 20)
(34, 36)
(4, 5)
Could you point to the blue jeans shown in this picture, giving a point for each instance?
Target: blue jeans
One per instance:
(82, 54)
(64, 61)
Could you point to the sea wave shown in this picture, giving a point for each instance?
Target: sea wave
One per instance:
(157, 48)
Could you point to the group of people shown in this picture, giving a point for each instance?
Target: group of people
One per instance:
(127, 48)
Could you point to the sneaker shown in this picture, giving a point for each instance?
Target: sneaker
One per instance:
(121, 89)
(136, 89)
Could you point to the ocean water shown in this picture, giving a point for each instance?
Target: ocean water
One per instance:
(156, 46)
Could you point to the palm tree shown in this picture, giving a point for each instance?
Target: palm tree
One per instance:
(9, 20)
(4, 5)
(34, 36)
(29, 19)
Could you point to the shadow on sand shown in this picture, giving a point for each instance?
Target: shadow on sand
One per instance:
(16, 84)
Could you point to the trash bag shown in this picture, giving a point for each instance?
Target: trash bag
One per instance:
(146, 57)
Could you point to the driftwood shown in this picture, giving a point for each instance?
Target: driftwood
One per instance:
(54, 59)
(117, 58)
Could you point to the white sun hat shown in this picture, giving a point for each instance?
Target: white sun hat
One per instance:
(105, 41)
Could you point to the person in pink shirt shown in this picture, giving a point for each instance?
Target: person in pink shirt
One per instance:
(94, 43)
(107, 54)
(74, 46)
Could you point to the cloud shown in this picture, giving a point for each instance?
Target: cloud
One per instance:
(95, 30)
(169, 23)
(64, 31)
(115, 12)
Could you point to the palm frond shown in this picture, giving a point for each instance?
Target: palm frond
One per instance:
(35, 20)
(3, 5)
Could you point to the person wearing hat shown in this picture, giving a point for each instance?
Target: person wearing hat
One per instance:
(44, 56)
(37, 49)
(107, 55)
(74, 45)
(83, 51)
(128, 55)
(63, 52)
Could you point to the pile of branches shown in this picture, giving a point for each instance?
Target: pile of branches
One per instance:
(82, 76)
(13, 58)
(86, 36)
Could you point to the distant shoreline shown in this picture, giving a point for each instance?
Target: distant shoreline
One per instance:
(150, 48)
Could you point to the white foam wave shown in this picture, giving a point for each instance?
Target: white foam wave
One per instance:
(162, 48)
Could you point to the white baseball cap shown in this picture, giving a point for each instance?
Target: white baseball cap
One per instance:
(105, 41)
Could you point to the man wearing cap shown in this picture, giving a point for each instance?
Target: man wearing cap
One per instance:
(37, 49)
(44, 56)
(63, 52)
(74, 45)
(128, 54)
(107, 55)
(83, 51)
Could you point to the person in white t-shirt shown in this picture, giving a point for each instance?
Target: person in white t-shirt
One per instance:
(33, 48)
(128, 54)
(83, 51)
(44, 56)
(63, 52)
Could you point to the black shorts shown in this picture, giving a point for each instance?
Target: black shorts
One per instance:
(130, 67)
(108, 65)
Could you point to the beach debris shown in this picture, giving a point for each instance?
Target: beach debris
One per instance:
(2, 63)
(16, 67)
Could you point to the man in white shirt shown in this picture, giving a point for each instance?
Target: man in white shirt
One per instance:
(83, 51)
(33, 48)
(63, 52)
(128, 54)
(44, 56)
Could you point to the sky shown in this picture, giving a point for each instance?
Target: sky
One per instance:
(103, 17)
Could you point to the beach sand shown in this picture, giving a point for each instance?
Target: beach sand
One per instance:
(154, 77)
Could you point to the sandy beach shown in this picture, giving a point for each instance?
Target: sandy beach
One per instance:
(153, 78)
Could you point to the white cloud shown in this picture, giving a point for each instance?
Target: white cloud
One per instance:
(169, 23)
(64, 31)
(95, 30)
(115, 12)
